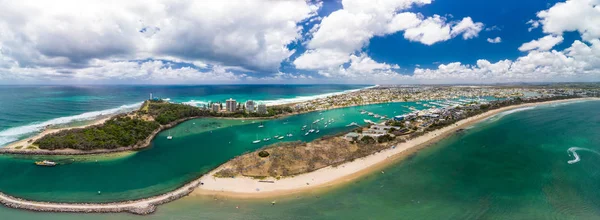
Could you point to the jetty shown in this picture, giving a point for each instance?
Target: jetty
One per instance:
(139, 207)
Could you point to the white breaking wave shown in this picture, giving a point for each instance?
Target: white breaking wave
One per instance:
(505, 113)
(195, 103)
(573, 151)
(308, 98)
(14, 134)
(283, 100)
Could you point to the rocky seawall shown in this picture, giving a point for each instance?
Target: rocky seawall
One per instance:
(140, 207)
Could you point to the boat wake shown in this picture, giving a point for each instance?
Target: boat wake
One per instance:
(16, 133)
(573, 151)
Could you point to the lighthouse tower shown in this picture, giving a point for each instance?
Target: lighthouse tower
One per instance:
(150, 96)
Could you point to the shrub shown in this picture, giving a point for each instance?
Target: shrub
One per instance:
(263, 153)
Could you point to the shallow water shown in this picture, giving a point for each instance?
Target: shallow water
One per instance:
(25, 110)
(515, 167)
(198, 146)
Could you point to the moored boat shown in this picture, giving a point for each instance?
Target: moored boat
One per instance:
(45, 163)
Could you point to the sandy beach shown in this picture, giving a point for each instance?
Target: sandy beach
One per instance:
(245, 187)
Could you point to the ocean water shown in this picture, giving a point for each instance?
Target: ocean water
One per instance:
(512, 166)
(198, 146)
(25, 110)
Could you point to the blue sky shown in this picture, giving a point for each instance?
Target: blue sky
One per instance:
(346, 41)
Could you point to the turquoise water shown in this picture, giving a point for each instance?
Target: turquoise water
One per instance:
(512, 166)
(25, 110)
(197, 147)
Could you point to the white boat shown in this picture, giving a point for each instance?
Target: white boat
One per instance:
(306, 133)
(45, 163)
(266, 139)
(317, 131)
(303, 127)
(261, 125)
(169, 137)
(370, 113)
(280, 137)
(290, 134)
(256, 141)
(326, 125)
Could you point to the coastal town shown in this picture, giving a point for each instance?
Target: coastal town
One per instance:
(385, 94)
(286, 162)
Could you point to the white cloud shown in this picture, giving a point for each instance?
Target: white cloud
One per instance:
(467, 28)
(429, 31)
(494, 40)
(347, 31)
(573, 15)
(321, 59)
(534, 25)
(69, 34)
(580, 62)
(102, 71)
(542, 44)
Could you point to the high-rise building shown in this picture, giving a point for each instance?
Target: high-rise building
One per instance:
(216, 107)
(250, 106)
(262, 109)
(231, 105)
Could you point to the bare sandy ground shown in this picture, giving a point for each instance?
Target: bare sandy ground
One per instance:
(245, 187)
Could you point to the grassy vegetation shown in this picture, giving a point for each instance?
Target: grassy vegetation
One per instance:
(293, 158)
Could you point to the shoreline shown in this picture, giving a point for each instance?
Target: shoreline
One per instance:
(245, 187)
(10, 148)
(327, 177)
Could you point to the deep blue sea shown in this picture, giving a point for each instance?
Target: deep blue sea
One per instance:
(25, 110)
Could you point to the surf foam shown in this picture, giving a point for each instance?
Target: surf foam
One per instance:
(17, 133)
(308, 98)
(284, 100)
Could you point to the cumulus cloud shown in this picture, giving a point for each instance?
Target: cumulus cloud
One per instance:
(542, 44)
(494, 40)
(573, 15)
(70, 35)
(345, 32)
(579, 62)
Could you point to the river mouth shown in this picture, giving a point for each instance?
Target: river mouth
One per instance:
(198, 146)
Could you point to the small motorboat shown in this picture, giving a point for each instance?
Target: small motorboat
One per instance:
(45, 163)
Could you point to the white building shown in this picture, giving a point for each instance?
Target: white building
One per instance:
(231, 105)
(250, 106)
(216, 107)
(262, 109)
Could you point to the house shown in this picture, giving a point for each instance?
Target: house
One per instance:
(351, 136)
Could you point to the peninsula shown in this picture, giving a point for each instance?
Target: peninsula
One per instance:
(107, 135)
(297, 167)
(294, 167)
